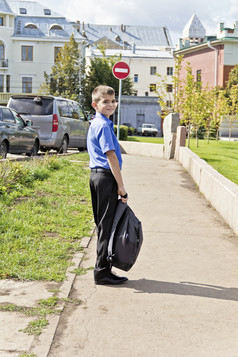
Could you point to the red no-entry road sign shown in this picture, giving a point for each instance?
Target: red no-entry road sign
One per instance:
(121, 70)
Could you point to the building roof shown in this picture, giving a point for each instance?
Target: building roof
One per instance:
(44, 27)
(194, 28)
(141, 36)
(155, 54)
(32, 8)
(4, 7)
(35, 20)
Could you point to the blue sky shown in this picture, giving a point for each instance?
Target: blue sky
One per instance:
(173, 14)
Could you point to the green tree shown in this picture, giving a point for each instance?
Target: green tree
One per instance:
(219, 107)
(233, 77)
(99, 72)
(233, 101)
(187, 105)
(64, 79)
(161, 90)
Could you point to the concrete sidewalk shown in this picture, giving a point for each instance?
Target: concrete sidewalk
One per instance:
(181, 299)
(182, 295)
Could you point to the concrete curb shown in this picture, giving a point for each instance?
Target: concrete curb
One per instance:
(142, 149)
(41, 345)
(218, 190)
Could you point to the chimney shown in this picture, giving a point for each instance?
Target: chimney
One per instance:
(78, 26)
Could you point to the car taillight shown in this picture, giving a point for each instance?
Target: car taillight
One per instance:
(55, 123)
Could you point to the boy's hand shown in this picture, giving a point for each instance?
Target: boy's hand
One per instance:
(123, 194)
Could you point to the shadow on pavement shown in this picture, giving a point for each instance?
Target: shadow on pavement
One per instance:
(183, 288)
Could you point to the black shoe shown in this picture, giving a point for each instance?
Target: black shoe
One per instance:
(111, 279)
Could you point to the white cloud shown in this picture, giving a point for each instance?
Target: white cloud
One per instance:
(170, 13)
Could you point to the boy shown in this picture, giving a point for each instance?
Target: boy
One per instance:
(106, 180)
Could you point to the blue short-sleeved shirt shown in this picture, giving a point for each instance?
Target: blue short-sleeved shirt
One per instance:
(101, 138)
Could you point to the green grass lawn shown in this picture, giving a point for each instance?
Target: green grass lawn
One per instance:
(222, 155)
(146, 139)
(45, 210)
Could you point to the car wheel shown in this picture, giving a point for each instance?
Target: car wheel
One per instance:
(64, 146)
(3, 150)
(35, 148)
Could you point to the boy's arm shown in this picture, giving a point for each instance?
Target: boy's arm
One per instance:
(115, 168)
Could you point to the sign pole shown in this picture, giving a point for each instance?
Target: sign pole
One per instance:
(119, 110)
(120, 70)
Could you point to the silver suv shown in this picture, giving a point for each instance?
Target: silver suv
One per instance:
(60, 122)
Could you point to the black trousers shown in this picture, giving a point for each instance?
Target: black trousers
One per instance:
(104, 196)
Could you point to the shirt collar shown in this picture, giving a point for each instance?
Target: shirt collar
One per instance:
(101, 116)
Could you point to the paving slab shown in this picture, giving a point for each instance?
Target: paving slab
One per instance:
(182, 295)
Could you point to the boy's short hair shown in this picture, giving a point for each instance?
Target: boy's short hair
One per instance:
(100, 91)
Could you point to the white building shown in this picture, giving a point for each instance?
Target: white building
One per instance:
(31, 36)
(146, 49)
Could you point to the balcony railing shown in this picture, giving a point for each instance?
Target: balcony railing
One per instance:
(4, 63)
(4, 98)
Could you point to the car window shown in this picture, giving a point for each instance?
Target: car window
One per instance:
(18, 118)
(7, 115)
(32, 105)
(81, 114)
(64, 108)
(74, 110)
(0, 114)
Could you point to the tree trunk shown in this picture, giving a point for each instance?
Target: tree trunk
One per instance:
(188, 136)
(230, 125)
(208, 135)
(197, 137)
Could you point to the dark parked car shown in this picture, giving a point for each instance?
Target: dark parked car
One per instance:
(16, 135)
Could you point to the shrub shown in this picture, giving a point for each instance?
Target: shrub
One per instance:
(123, 132)
(14, 176)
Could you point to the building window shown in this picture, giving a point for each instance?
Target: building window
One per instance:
(152, 87)
(27, 53)
(31, 26)
(56, 53)
(1, 83)
(47, 11)
(169, 103)
(153, 70)
(22, 11)
(26, 85)
(56, 27)
(170, 71)
(169, 88)
(1, 21)
(2, 52)
(136, 77)
(199, 75)
(8, 83)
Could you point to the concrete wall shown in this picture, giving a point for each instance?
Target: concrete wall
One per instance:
(142, 149)
(218, 190)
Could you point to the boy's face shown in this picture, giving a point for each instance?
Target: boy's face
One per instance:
(106, 105)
